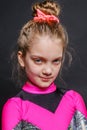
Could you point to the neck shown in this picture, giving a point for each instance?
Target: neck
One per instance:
(37, 90)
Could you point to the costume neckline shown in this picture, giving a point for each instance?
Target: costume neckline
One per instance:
(37, 90)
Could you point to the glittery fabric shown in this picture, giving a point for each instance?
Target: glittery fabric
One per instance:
(79, 122)
(23, 125)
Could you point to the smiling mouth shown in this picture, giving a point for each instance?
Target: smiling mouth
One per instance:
(46, 79)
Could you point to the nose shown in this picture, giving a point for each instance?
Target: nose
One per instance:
(47, 70)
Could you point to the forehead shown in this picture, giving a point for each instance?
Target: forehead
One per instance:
(45, 45)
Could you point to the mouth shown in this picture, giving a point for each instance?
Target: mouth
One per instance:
(46, 79)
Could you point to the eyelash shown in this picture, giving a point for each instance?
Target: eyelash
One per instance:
(57, 61)
(40, 61)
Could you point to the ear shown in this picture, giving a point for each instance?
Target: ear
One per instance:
(20, 59)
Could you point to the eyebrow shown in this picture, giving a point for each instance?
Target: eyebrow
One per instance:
(43, 58)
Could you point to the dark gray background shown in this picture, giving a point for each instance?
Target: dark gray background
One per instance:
(15, 13)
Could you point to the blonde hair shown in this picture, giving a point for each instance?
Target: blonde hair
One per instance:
(32, 28)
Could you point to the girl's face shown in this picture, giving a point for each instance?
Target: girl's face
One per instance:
(43, 61)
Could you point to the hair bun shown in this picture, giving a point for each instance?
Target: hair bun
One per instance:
(47, 7)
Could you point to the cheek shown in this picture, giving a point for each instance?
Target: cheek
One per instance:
(57, 69)
(32, 70)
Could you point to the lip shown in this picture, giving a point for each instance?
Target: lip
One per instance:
(46, 78)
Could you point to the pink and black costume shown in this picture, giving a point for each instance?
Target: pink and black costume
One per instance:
(44, 109)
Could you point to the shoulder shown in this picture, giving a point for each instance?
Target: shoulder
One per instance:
(73, 94)
(14, 101)
(11, 104)
(76, 100)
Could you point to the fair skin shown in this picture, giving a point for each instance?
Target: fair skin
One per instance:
(43, 61)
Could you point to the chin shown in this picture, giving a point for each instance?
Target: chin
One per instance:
(45, 85)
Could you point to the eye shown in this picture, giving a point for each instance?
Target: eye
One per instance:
(57, 61)
(38, 61)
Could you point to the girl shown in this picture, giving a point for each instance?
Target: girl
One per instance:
(40, 54)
